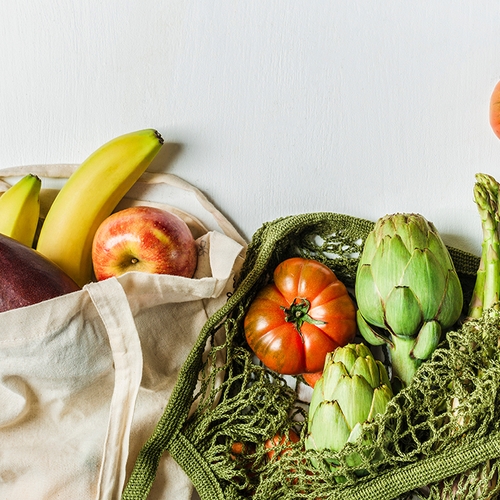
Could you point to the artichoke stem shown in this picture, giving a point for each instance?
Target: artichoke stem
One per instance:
(404, 365)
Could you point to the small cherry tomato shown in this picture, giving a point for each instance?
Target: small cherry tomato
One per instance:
(283, 441)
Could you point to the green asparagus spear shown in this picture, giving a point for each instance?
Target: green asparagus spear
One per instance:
(487, 287)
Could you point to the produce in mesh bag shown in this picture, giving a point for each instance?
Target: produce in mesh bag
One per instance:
(437, 438)
(295, 321)
(483, 479)
(353, 389)
(407, 291)
(487, 288)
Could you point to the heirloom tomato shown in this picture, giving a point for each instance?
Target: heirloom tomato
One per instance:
(293, 322)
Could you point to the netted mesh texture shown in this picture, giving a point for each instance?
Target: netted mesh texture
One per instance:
(439, 437)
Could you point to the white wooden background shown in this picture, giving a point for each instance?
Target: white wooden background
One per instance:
(271, 107)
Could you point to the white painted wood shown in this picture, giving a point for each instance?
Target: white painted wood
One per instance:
(275, 107)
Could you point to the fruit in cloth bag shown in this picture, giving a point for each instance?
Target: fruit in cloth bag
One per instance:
(28, 277)
(353, 389)
(20, 209)
(89, 196)
(295, 321)
(146, 239)
(407, 290)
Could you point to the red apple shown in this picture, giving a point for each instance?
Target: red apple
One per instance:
(145, 239)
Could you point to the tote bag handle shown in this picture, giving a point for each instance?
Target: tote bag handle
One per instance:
(112, 306)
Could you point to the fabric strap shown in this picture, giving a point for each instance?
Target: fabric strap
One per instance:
(111, 303)
(430, 470)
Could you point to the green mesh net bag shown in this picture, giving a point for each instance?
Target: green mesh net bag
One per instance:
(439, 437)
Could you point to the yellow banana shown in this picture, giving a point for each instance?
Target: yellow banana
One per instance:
(20, 209)
(89, 196)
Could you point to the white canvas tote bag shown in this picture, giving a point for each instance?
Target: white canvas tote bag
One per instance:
(85, 377)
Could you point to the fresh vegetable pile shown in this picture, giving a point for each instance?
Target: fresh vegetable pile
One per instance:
(422, 440)
(403, 406)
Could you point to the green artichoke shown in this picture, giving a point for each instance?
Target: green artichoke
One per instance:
(353, 388)
(407, 290)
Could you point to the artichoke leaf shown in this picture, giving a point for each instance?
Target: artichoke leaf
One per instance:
(389, 264)
(372, 335)
(412, 231)
(438, 248)
(368, 296)
(427, 340)
(367, 368)
(346, 358)
(333, 375)
(356, 433)
(383, 375)
(317, 397)
(381, 396)
(403, 312)
(355, 459)
(427, 279)
(420, 237)
(404, 364)
(451, 306)
(328, 428)
(384, 227)
(369, 249)
(355, 408)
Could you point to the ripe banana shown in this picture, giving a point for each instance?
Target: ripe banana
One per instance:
(89, 196)
(20, 209)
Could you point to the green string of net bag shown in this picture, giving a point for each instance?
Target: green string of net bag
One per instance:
(238, 429)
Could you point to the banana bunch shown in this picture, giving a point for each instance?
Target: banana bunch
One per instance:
(20, 209)
(89, 196)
